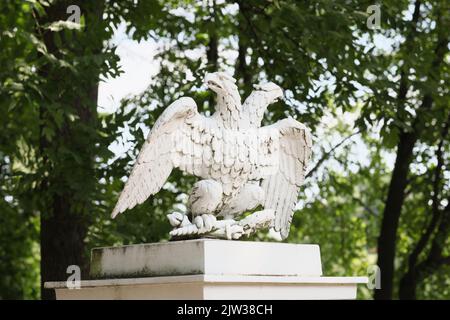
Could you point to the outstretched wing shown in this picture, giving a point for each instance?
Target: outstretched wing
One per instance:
(156, 158)
(281, 189)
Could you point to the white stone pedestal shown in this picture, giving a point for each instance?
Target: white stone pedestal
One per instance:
(209, 269)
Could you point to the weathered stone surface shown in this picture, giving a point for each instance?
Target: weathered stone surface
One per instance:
(217, 287)
(207, 257)
(209, 269)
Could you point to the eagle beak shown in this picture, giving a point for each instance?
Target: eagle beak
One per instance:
(275, 92)
(213, 81)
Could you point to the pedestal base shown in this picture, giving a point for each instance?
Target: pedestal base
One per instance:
(209, 269)
(200, 287)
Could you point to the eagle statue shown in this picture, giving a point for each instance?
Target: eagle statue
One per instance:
(242, 166)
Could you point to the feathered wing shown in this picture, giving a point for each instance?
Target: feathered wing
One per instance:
(282, 188)
(158, 154)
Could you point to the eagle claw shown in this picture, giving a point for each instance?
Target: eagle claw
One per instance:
(177, 219)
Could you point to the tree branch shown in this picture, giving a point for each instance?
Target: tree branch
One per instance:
(436, 213)
(445, 261)
(435, 259)
(370, 210)
(328, 154)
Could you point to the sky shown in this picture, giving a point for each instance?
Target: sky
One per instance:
(138, 66)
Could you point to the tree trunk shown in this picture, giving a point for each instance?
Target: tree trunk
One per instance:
(408, 284)
(396, 193)
(65, 208)
(391, 215)
(242, 70)
(212, 50)
(62, 244)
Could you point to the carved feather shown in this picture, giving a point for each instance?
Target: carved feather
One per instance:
(159, 155)
(281, 189)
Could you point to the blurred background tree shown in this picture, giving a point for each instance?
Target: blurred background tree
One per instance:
(376, 100)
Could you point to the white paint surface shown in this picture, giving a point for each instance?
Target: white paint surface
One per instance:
(206, 287)
(209, 257)
(210, 269)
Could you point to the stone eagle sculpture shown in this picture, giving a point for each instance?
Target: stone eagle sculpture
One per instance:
(243, 166)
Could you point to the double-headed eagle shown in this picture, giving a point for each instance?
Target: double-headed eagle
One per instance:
(243, 166)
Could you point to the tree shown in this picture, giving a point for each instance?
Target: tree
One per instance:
(66, 140)
(19, 223)
(435, 234)
(417, 60)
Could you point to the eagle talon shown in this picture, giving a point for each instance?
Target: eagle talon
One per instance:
(177, 219)
(209, 222)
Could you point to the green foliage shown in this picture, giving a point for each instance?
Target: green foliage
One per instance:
(320, 52)
(19, 251)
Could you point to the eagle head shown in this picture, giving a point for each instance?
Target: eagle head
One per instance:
(220, 82)
(271, 89)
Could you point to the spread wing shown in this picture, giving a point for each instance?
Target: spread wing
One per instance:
(159, 154)
(281, 189)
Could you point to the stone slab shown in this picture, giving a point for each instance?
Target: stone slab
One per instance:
(205, 287)
(206, 257)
